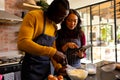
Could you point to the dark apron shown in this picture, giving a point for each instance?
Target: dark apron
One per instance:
(72, 58)
(37, 67)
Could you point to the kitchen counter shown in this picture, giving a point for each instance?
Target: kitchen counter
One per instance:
(102, 75)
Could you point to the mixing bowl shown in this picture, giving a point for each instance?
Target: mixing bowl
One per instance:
(77, 74)
(109, 67)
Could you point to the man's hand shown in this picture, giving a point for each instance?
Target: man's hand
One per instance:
(60, 58)
(62, 71)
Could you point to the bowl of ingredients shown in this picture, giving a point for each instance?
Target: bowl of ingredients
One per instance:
(77, 74)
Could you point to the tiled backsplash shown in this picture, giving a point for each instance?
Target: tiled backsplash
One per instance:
(8, 38)
(8, 32)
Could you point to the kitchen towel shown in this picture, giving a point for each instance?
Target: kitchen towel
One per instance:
(17, 75)
(9, 76)
(1, 76)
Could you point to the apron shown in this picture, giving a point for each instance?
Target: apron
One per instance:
(72, 58)
(37, 67)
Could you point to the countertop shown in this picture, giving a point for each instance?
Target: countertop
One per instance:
(102, 75)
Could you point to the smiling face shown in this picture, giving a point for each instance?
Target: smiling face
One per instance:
(71, 21)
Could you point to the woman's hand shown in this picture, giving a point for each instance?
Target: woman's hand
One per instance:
(80, 53)
(71, 45)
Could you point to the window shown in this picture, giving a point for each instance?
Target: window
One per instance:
(100, 23)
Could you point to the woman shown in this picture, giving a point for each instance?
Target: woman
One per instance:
(70, 37)
(37, 37)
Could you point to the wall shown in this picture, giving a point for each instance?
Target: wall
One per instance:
(11, 6)
(2, 4)
(8, 32)
(8, 39)
(81, 3)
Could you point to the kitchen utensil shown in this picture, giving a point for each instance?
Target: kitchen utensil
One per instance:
(65, 62)
(91, 68)
(108, 67)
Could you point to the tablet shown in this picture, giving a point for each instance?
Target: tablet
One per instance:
(83, 48)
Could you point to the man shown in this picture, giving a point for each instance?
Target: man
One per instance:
(37, 39)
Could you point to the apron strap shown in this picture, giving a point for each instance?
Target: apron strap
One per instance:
(44, 25)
